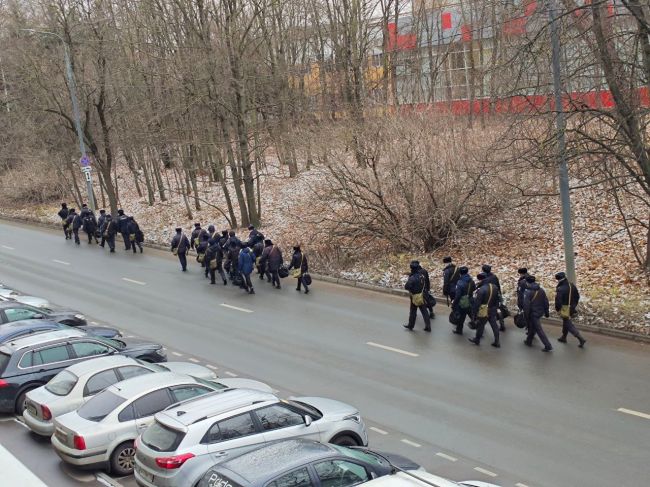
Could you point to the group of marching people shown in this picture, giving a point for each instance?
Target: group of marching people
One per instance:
(103, 229)
(234, 259)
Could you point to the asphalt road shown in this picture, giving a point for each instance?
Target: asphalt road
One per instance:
(532, 419)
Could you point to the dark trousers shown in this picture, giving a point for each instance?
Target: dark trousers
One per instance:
(425, 315)
(111, 242)
(66, 232)
(182, 258)
(134, 244)
(569, 327)
(103, 241)
(274, 276)
(463, 313)
(91, 235)
(127, 242)
(213, 274)
(535, 328)
(76, 236)
(301, 282)
(492, 319)
(247, 284)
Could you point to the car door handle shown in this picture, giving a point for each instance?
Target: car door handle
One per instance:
(141, 425)
(221, 453)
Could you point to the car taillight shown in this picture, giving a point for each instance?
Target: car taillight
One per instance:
(47, 414)
(171, 463)
(3, 383)
(79, 442)
(136, 442)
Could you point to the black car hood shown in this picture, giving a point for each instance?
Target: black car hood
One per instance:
(397, 460)
(101, 331)
(61, 313)
(134, 344)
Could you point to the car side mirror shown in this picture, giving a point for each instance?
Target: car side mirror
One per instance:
(307, 419)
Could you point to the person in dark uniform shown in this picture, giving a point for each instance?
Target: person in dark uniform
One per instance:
(272, 260)
(101, 227)
(431, 301)
(122, 226)
(462, 303)
(536, 306)
(180, 247)
(76, 224)
(246, 266)
(484, 309)
(493, 279)
(63, 214)
(521, 287)
(233, 246)
(254, 237)
(109, 232)
(214, 260)
(89, 224)
(194, 236)
(450, 276)
(299, 261)
(415, 285)
(566, 302)
(136, 237)
(201, 249)
(258, 248)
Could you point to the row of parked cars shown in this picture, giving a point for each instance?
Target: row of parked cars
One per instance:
(117, 404)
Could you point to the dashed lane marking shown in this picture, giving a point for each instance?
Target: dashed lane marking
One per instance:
(632, 412)
(95, 323)
(391, 349)
(377, 430)
(446, 457)
(485, 472)
(243, 310)
(177, 354)
(139, 283)
(209, 366)
(192, 359)
(7, 247)
(62, 262)
(410, 443)
(230, 373)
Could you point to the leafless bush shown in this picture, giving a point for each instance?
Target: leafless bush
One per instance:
(31, 182)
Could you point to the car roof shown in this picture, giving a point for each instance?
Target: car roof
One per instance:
(206, 406)
(44, 338)
(21, 324)
(265, 463)
(411, 479)
(101, 363)
(13, 304)
(149, 382)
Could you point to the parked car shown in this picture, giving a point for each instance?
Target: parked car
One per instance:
(72, 387)
(14, 311)
(420, 479)
(101, 432)
(186, 440)
(302, 462)
(31, 361)
(11, 295)
(16, 329)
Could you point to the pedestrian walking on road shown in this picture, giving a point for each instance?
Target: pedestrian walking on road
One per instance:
(136, 237)
(214, 260)
(272, 261)
(462, 303)
(63, 214)
(300, 267)
(195, 237)
(484, 309)
(180, 246)
(101, 226)
(246, 264)
(415, 285)
(521, 287)
(566, 302)
(109, 232)
(535, 306)
(74, 224)
(254, 237)
(233, 246)
(450, 276)
(122, 226)
(428, 297)
(201, 249)
(89, 223)
(493, 279)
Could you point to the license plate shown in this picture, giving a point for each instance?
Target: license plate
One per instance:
(31, 408)
(61, 435)
(144, 474)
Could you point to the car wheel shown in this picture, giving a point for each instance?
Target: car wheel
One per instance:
(123, 459)
(344, 440)
(20, 402)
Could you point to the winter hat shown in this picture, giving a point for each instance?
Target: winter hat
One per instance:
(179, 229)
(560, 275)
(446, 260)
(211, 229)
(251, 227)
(102, 211)
(522, 270)
(530, 279)
(268, 242)
(414, 264)
(120, 212)
(64, 205)
(463, 270)
(486, 268)
(231, 233)
(224, 233)
(197, 225)
(480, 276)
(84, 205)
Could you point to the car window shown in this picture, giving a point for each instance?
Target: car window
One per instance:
(152, 403)
(62, 383)
(17, 314)
(159, 437)
(296, 478)
(127, 414)
(213, 478)
(26, 360)
(230, 428)
(100, 381)
(90, 349)
(340, 473)
(277, 416)
(181, 393)
(100, 406)
(4, 360)
(51, 355)
(132, 371)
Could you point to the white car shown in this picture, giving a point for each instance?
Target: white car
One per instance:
(422, 479)
(11, 295)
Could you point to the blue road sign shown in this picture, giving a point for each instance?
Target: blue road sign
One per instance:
(85, 162)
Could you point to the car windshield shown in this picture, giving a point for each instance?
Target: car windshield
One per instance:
(159, 437)
(4, 360)
(366, 456)
(305, 407)
(211, 384)
(100, 406)
(213, 478)
(112, 342)
(62, 383)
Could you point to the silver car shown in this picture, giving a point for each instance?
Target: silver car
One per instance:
(186, 440)
(11, 295)
(101, 432)
(75, 385)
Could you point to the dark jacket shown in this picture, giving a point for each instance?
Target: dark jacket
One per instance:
(562, 295)
(233, 246)
(134, 228)
(122, 223)
(493, 279)
(482, 296)
(69, 219)
(89, 222)
(245, 261)
(63, 213)
(255, 237)
(272, 258)
(427, 282)
(299, 260)
(110, 228)
(86, 212)
(77, 222)
(258, 248)
(450, 276)
(202, 247)
(415, 283)
(213, 250)
(100, 222)
(535, 302)
(180, 242)
(521, 289)
(464, 286)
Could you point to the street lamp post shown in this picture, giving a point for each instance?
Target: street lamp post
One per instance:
(84, 161)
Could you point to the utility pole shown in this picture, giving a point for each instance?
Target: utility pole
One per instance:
(84, 161)
(567, 227)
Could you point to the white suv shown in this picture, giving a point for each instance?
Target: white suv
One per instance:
(185, 441)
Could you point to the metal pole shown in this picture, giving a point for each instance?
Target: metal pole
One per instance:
(561, 143)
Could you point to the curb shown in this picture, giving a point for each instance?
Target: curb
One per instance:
(601, 330)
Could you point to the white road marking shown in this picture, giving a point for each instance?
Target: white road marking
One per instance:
(519, 484)
(391, 349)
(17, 473)
(485, 472)
(7, 247)
(21, 423)
(130, 336)
(194, 360)
(4, 420)
(410, 443)
(95, 323)
(632, 412)
(177, 354)
(140, 283)
(211, 367)
(446, 457)
(243, 310)
(63, 262)
(230, 373)
(102, 478)
(377, 430)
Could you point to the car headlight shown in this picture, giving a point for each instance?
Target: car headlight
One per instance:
(80, 317)
(353, 417)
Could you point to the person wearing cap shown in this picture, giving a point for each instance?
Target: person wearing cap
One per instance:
(136, 237)
(430, 300)
(254, 237)
(450, 276)
(462, 303)
(214, 260)
(484, 309)
(272, 260)
(566, 302)
(493, 279)
(180, 246)
(521, 287)
(415, 285)
(194, 236)
(122, 226)
(109, 231)
(73, 224)
(101, 221)
(535, 306)
(300, 263)
(232, 247)
(85, 211)
(89, 224)
(63, 214)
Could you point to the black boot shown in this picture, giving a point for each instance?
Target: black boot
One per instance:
(474, 341)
